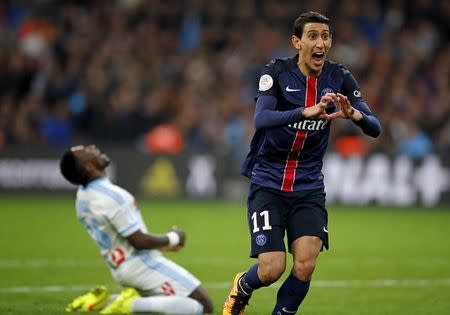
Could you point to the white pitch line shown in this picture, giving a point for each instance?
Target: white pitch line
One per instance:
(379, 283)
(37, 263)
(356, 283)
(45, 263)
(76, 263)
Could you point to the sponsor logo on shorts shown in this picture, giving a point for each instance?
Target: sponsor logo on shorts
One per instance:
(261, 239)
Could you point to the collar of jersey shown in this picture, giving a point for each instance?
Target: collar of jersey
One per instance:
(96, 182)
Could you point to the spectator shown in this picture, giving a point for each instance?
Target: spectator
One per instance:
(116, 64)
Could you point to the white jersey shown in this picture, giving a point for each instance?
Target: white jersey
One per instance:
(109, 214)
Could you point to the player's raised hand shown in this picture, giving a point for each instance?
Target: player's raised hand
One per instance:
(318, 111)
(181, 234)
(177, 239)
(346, 109)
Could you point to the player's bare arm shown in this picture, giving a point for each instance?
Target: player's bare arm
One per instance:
(172, 241)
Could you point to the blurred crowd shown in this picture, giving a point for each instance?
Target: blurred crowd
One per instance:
(183, 74)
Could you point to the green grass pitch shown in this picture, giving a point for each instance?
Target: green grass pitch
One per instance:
(382, 260)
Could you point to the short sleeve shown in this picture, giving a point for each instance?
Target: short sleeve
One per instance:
(124, 219)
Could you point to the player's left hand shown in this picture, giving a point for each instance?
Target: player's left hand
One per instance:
(318, 111)
(347, 111)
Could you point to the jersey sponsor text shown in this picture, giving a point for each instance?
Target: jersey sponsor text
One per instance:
(309, 124)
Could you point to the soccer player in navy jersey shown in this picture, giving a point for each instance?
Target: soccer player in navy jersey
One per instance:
(297, 100)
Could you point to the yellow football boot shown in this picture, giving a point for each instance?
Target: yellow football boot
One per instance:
(236, 301)
(90, 301)
(122, 305)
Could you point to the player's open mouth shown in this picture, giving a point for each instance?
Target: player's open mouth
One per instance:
(318, 57)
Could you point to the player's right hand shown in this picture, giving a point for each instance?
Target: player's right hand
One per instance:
(181, 234)
(174, 248)
(318, 111)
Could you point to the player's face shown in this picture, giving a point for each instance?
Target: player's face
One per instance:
(313, 47)
(91, 153)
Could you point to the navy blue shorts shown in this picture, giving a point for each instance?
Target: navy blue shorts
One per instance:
(272, 213)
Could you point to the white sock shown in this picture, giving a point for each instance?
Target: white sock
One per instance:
(167, 305)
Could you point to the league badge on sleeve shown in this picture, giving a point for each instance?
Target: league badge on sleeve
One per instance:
(265, 82)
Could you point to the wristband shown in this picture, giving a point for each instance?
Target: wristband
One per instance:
(174, 238)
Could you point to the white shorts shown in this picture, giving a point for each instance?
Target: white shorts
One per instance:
(155, 275)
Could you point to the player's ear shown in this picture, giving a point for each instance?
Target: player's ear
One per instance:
(296, 42)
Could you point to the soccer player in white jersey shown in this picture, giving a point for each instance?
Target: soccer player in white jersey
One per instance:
(109, 213)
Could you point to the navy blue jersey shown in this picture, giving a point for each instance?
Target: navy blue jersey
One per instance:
(286, 151)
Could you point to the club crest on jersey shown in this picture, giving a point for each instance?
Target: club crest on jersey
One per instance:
(326, 90)
(261, 240)
(265, 82)
(310, 124)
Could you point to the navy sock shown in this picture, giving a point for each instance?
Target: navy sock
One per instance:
(290, 295)
(250, 281)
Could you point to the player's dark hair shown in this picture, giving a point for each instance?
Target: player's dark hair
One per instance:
(309, 17)
(72, 170)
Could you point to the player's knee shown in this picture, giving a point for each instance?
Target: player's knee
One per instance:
(303, 270)
(270, 273)
(270, 276)
(271, 266)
